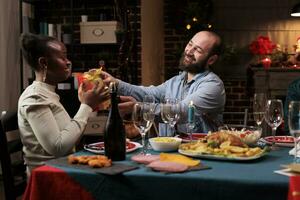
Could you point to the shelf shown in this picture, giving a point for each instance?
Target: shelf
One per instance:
(276, 69)
(92, 44)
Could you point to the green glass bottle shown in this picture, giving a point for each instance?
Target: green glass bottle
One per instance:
(114, 135)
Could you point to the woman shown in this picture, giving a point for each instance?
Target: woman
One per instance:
(46, 129)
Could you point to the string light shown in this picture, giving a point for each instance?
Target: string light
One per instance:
(209, 25)
(195, 19)
(188, 26)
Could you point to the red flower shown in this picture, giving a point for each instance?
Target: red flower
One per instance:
(262, 46)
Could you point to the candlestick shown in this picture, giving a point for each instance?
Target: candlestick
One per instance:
(191, 118)
(191, 112)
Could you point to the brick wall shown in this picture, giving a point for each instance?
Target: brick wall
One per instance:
(86, 56)
(238, 98)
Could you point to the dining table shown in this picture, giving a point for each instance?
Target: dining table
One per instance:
(222, 179)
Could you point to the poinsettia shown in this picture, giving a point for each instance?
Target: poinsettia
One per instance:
(262, 46)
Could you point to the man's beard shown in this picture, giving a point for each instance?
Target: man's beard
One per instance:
(193, 68)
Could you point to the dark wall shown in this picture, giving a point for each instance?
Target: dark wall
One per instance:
(176, 15)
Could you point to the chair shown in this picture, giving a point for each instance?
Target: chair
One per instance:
(241, 114)
(13, 172)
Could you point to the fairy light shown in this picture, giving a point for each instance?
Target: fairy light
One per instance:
(188, 26)
(195, 19)
(209, 25)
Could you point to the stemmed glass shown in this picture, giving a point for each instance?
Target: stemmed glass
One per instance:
(163, 117)
(171, 112)
(273, 116)
(143, 117)
(149, 107)
(294, 124)
(259, 107)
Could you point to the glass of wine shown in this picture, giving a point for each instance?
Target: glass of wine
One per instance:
(171, 112)
(149, 108)
(164, 118)
(273, 116)
(259, 107)
(149, 115)
(294, 125)
(142, 117)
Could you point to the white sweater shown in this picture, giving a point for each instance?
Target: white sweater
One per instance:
(46, 129)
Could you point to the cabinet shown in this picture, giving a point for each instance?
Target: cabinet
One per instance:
(274, 81)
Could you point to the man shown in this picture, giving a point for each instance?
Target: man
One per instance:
(196, 83)
(293, 94)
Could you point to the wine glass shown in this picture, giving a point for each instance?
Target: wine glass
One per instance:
(259, 107)
(149, 107)
(142, 117)
(273, 116)
(163, 117)
(294, 124)
(171, 112)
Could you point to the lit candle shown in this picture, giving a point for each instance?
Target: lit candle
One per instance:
(266, 63)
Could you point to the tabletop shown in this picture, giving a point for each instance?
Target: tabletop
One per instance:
(225, 180)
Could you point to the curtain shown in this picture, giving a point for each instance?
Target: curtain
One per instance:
(10, 54)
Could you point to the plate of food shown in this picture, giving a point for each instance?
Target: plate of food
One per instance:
(195, 136)
(284, 141)
(222, 157)
(221, 146)
(99, 147)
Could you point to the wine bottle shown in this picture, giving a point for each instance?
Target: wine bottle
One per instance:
(114, 135)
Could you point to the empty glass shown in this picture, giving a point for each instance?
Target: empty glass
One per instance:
(259, 107)
(273, 116)
(142, 117)
(294, 125)
(170, 111)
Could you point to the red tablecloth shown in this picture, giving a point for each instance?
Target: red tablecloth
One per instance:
(294, 188)
(41, 187)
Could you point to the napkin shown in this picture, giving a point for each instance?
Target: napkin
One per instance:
(292, 151)
(179, 159)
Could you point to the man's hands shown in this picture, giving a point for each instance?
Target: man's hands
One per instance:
(107, 78)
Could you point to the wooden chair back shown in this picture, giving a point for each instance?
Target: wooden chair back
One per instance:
(13, 172)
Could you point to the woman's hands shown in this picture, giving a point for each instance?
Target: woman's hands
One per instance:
(90, 97)
(94, 96)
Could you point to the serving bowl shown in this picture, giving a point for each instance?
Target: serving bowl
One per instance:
(248, 134)
(165, 143)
